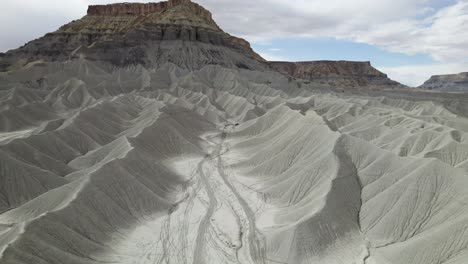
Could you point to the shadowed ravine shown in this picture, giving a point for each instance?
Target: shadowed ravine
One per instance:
(246, 219)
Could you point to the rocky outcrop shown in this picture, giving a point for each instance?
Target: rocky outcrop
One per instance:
(335, 73)
(447, 83)
(134, 8)
(148, 34)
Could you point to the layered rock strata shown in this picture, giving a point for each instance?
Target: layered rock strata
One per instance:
(335, 73)
(176, 31)
(448, 83)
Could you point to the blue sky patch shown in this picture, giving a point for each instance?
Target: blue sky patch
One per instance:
(305, 49)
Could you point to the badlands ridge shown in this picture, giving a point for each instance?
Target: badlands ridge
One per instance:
(145, 134)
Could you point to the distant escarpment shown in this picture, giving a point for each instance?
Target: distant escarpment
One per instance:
(175, 31)
(335, 73)
(448, 83)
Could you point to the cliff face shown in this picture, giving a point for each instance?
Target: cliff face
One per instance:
(177, 12)
(448, 83)
(333, 73)
(176, 31)
(134, 8)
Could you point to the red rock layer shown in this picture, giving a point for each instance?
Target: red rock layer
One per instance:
(350, 73)
(132, 8)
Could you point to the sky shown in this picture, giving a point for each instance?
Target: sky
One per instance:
(410, 40)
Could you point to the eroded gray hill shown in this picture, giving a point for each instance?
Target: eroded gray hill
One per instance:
(194, 151)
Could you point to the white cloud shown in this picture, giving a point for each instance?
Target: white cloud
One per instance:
(24, 20)
(272, 57)
(264, 19)
(404, 26)
(444, 35)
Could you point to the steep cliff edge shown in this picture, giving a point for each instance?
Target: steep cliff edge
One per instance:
(333, 73)
(176, 31)
(448, 83)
